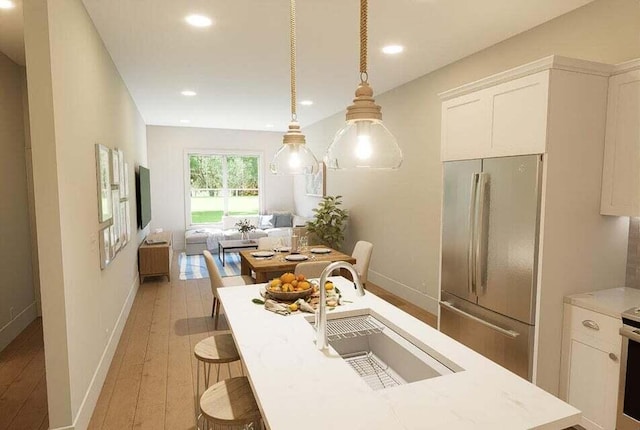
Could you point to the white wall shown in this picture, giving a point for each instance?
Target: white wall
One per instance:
(400, 211)
(17, 301)
(77, 99)
(167, 146)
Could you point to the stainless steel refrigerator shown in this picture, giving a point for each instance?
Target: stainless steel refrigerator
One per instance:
(491, 214)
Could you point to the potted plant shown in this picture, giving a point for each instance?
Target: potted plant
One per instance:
(244, 227)
(329, 222)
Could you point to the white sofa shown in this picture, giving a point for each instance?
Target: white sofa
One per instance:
(197, 239)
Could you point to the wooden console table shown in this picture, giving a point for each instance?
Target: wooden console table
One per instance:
(154, 256)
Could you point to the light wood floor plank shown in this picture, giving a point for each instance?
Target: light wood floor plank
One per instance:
(180, 408)
(150, 409)
(18, 354)
(123, 403)
(102, 406)
(34, 410)
(21, 388)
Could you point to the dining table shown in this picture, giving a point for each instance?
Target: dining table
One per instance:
(263, 264)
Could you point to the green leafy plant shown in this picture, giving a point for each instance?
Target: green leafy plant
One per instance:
(329, 222)
(244, 226)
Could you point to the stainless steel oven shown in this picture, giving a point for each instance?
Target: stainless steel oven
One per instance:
(629, 398)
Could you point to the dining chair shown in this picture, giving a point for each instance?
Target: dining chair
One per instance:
(218, 281)
(269, 243)
(311, 269)
(362, 253)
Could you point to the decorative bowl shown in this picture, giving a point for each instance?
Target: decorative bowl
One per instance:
(289, 296)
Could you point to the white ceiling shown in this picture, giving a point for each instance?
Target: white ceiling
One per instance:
(240, 65)
(11, 33)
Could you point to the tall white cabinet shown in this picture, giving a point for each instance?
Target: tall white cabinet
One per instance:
(621, 172)
(555, 107)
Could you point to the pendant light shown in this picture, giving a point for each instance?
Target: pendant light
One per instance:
(364, 141)
(294, 158)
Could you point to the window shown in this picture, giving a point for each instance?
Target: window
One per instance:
(222, 184)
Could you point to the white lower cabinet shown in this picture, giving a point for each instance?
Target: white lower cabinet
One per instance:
(591, 366)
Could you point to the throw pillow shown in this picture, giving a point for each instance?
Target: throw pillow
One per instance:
(282, 220)
(266, 222)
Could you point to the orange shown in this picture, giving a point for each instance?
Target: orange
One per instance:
(287, 278)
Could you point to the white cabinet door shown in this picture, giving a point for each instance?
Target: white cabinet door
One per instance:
(465, 127)
(519, 116)
(504, 120)
(593, 384)
(621, 170)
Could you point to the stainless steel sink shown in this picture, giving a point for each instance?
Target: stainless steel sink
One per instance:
(380, 355)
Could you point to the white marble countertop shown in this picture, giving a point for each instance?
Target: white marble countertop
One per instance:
(610, 302)
(298, 386)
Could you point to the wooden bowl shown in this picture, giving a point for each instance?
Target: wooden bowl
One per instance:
(289, 296)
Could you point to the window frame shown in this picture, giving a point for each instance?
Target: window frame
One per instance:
(224, 153)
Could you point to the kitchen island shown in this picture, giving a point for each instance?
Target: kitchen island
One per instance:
(298, 386)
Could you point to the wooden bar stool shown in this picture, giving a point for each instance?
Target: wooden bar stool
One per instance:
(217, 349)
(230, 404)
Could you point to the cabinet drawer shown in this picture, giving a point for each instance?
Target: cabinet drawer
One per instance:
(591, 326)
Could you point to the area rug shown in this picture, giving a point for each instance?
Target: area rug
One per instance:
(194, 266)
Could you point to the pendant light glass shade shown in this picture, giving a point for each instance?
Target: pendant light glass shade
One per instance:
(293, 158)
(364, 142)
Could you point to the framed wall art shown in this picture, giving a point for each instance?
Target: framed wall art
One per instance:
(103, 173)
(316, 185)
(105, 247)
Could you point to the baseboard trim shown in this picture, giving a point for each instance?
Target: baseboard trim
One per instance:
(416, 297)
(13, 328)
(88, 404)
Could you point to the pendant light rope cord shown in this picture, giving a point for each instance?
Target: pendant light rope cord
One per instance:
(364, 9)
(292, 35)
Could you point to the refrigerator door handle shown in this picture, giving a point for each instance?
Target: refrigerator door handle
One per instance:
(480, 262)
(509, 333)
(471, 227)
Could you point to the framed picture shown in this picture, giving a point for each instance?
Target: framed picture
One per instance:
(124, 190)
(121, 171)
(105, 247)
(115, 227)
(115, 168)
(316, 185)
(123, 223)
(127, 221)
(103, 173)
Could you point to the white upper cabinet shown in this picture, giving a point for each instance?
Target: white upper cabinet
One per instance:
(621, 170)
(519, 116)
(502, 120)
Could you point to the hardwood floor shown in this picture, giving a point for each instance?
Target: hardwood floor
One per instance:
(23, 387)
(152, 379)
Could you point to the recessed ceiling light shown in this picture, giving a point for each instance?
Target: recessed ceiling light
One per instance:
(188, 93)
(198, 20)
(7, 4)
(185, 121)
(306, 102)
(393, 49)
(269, 125)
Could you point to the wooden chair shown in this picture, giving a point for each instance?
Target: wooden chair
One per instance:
(311, 269)
(362, 253)
(230, 404)
(218, 281)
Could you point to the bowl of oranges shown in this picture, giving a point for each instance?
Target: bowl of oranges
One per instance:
(289, 287)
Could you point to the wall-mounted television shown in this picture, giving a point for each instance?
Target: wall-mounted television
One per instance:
(143, 197)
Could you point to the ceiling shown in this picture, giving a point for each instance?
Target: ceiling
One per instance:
(11, 33)
(240, 66)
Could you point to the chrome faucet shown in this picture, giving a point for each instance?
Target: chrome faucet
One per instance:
(322, 342)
